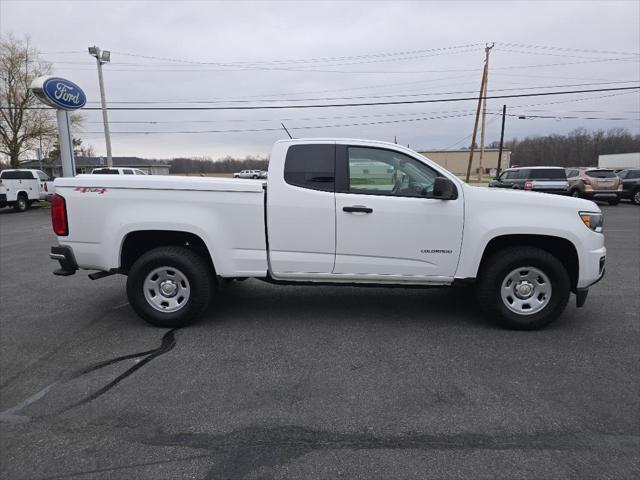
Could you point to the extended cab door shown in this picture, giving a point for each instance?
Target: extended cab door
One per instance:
(301, 228)
(386, 222)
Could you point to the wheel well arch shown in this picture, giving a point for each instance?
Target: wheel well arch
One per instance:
(139, 242)
(561, 248)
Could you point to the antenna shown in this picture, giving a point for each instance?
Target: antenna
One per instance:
(285, 129)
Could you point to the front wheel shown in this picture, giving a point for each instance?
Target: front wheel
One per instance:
(170, 286)
(523, 288)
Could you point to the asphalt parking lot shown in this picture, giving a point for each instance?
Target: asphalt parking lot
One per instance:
(312, 382)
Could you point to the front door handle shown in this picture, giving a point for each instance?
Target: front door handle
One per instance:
(357, 209)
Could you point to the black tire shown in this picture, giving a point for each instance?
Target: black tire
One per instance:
(635, 197)
(613, 201)
(254, 176)
(495, 270)
(576, 193)
(194, 267)
(21, 204)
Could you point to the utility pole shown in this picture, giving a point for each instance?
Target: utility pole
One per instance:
(481, 98)
(101, 58)
(484, 112)
(504, 114)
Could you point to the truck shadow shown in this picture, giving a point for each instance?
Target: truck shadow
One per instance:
(11, 211)
(254, 299)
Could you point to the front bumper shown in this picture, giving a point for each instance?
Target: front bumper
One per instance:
(581, 292)
(64, 255)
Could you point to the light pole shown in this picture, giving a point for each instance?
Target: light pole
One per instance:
(103, 56)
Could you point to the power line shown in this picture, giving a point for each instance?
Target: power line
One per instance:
(367, 72)
(142, 102)
(377, 115)
(566, 49)
(307, 127)
(361, 104)
(308, 60)
(562, 55)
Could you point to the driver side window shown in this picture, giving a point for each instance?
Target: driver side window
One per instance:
(377, 171)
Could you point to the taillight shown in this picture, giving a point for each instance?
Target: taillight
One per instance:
(46, 189)
(586, 181)
(528, 185)
(59, 216)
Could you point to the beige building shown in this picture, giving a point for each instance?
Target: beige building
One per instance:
(456, 160)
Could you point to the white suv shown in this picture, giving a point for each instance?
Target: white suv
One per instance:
(117, 171)
(249, 174)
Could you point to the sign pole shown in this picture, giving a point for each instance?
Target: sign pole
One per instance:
(66, 144)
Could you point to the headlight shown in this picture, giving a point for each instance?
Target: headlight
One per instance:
(592, 220)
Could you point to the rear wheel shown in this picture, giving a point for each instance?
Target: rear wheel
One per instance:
(170, 286)
(635, 197)
(21, 204)
(523, 288)
(613, 201)
(576, 193)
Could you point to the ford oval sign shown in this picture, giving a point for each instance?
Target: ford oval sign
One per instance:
(60, 93)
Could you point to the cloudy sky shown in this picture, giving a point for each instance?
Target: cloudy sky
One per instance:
(228, 54)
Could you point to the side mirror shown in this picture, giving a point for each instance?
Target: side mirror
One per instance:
(444, 189)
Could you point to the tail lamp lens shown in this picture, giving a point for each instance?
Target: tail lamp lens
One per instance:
(59, 216)
(528, 185)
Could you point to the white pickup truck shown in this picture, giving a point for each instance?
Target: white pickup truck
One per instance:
(333, 211)
(20, 187)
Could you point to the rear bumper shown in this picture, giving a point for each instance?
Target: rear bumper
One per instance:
(64, 255)
(3, 198)
(602, 194)
(555, 191)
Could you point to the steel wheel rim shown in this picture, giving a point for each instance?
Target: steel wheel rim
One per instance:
(166, 289)
(526, 290)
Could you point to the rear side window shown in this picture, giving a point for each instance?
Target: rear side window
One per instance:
(311, 166)
(521, 174)
(633, 174)
(548, 174)
(572, 173)
(127, 171)
(17, 175)
(600, 173)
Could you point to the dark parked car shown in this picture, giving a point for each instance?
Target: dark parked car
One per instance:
(630, 184)
(592, 183)
(539, 179)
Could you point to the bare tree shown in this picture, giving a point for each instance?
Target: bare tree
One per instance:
(22, 123)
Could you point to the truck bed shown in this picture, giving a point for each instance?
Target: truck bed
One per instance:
(227, 213)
